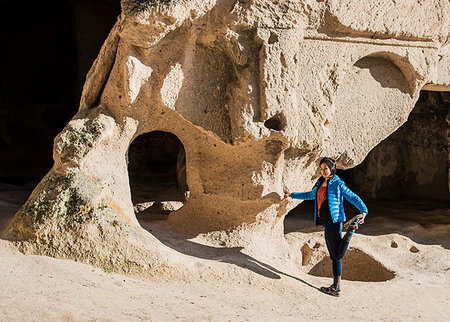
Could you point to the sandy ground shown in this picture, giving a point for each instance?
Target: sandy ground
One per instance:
(409, 240)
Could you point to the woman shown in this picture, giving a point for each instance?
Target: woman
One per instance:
(329, 193)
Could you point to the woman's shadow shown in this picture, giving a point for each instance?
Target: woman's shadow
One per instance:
(231, 255)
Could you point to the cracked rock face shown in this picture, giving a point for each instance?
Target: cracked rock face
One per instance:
(255, 92)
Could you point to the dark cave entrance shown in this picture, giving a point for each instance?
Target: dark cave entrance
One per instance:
(40, 89)
(404, 180)
(157, 173)
(413, 162)
(48, 48)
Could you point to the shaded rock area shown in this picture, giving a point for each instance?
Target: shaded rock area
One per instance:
(47, 49)
(359, 267)
(218, 105)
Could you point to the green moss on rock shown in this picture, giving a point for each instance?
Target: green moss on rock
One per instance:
(78, 208)
(67, 199)
(136, 6)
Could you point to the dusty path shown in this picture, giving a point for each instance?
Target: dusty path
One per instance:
(37, 288)
(236, 286)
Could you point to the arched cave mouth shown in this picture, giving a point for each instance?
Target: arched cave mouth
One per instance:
(157, 173)
(403, 180)
(277, 122)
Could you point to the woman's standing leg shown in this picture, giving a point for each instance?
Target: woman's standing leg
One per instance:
(333, 239)
(337, 247)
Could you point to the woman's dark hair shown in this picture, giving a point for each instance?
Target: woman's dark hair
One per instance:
(330, 163)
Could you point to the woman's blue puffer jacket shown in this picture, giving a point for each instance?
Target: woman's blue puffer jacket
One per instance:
(337, 191)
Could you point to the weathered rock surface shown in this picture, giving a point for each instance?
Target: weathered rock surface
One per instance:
(256, 92)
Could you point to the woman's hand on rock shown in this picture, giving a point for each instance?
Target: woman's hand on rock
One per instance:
(287, 192)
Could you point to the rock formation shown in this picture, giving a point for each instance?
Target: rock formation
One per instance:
(254, 93)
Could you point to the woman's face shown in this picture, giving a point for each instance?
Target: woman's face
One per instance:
(325, 171)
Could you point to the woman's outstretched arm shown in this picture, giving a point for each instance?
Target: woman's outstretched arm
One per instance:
(309, 195)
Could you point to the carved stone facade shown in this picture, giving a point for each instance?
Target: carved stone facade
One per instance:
(255, 91)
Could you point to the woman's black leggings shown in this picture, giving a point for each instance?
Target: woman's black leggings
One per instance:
(337, 246)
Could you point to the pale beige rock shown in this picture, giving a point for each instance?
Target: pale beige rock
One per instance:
(256, 91)
(401, 19)
(440, 81)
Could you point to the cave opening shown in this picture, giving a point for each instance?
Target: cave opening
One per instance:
(277, 122)
(404, 180)
(48, 48)
(359, 266)
(413, 162)
(157, 173)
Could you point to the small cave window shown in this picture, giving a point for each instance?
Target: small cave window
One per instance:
(157, 173)
(277, 122)
(273, 38)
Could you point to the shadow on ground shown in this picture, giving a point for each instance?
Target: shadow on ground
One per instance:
(424, 222)
(162, 230)
(12, 197)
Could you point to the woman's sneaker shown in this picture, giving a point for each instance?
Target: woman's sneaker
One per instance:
(353, 222)
(330, 290)
(354, 225)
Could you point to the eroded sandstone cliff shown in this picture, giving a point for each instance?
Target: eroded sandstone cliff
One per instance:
(254, 93)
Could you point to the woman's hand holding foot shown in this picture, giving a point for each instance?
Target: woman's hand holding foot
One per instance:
(361, 220)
